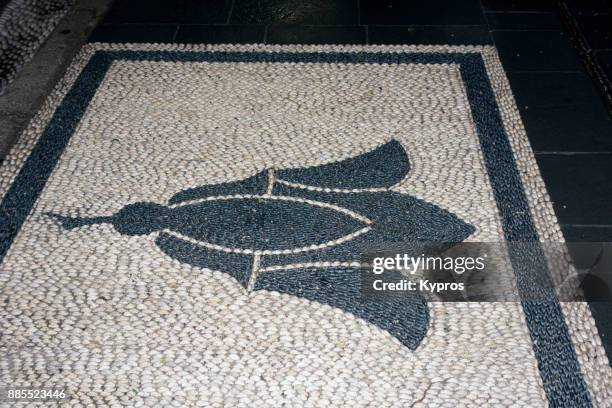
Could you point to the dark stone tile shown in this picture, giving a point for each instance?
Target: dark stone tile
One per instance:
(552, 89)
(454, 35)
(578, 233)
(315, 12)
(432, 12)
(578, 128)
(587, 7)
(289, 34)
(220, 34)
(591, 251)
(599, 285)
(140, 11)
(605, 60)
(536, 51)
(517, 5)
(523, 21)
(159, 11)
(139, 33)
(579, 186)
(202, 11)
(597, 30)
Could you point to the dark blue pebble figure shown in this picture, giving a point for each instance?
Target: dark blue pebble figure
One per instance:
(286, 231)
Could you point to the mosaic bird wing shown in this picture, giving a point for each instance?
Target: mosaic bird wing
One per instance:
(379, 168)
(403, 315)
(254, 185)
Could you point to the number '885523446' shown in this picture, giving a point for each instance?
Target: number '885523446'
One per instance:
(32, 394)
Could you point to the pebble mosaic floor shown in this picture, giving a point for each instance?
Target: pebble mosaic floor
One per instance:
(182, 224)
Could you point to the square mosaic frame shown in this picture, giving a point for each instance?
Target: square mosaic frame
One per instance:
(573, 370)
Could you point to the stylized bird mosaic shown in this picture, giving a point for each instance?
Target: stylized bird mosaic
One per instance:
(301, 232)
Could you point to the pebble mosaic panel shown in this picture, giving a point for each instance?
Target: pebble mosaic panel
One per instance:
(181, 225)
